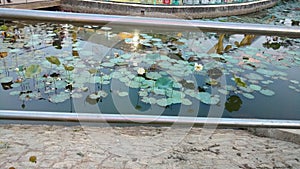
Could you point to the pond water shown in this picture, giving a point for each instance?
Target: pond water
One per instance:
(92, 69)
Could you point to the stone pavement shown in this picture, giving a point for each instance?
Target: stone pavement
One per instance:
(93, 147)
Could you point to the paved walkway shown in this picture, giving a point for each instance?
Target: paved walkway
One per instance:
(93, 147)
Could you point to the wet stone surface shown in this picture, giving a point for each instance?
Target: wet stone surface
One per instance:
(99, 147)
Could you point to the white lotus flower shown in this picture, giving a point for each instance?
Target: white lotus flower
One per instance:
(198, 67)
(141, 71)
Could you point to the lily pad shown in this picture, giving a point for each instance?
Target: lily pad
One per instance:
(6, 79)
(186, 102)
(207, 98)
(53, 60)
(59, 98)
(248, 95)
(15, 93)
(162, 102)
(294, 81)
(267, 92)
(164, 83)
(32, 70)
(122, 94)
(153, 75)
(255, 87)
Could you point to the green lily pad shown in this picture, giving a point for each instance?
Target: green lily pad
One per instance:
(267, 92)
(14, 85)
(15, 93)
(248, 95)
(292, 87)
(254, 76)
(153, 75)
(6, 79)
(254, 87)
(223, 91)
(294, 81)
(59, 98)
(143, 93)
(53, 60)
(239, 82)
(186, 102)
(122, 94)
(162, 102)
(32, 70)
(207, 98)
(164, 83)
(107, 64)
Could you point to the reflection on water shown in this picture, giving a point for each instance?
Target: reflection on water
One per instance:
(52, 67)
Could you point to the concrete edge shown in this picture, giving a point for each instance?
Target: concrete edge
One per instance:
(289, 135)
(33, 5)
(186, 12)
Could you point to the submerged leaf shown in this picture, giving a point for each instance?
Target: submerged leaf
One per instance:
(32, 70)
(53, 60)
(233, 103)
(68, 68)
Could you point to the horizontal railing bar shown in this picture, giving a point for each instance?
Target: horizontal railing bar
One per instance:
(150, 23)
(146, 119)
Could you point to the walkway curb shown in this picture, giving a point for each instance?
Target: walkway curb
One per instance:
(290, 135)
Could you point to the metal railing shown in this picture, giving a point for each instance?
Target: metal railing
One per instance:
(146, 119)
(146, 23)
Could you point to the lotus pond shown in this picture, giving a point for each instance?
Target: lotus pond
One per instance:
(68, 68)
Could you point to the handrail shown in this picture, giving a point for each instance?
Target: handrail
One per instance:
(147, 119)
(150, 23)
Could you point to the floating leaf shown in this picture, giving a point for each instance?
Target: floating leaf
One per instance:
(294, 81)
(248, 95)
(164, 83)
(122, 94)
(254, 87)
(92, 71)
(186, 102)
(207, 98)
(59, 98)
(15, 93)
(267, 92)
(68, 68)
(6, 79)
(153, 75)
(162, 102)
(53, 60)
(32, 70)
(254, 76)
(3, 28)
(239, 82)
(16, 85)
(223, 91)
